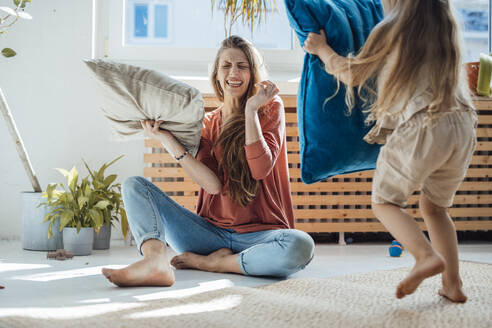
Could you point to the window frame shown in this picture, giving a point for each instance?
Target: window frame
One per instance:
(128, 38)
(107, 39)
(108, 43)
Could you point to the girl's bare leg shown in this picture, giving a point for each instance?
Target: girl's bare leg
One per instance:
(443, 237)
(404, 228)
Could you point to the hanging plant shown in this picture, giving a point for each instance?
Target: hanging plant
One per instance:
(250, 11)
(11, 16)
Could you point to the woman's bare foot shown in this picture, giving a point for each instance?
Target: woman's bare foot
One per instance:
(453, 291)
(211, 262)
(151, 271)
(424, 268)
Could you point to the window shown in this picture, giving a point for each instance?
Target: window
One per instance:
(147, 22)
(474, 22)
(182, 36)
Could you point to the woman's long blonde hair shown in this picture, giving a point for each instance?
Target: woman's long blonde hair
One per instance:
(415, 32)
(233, 168)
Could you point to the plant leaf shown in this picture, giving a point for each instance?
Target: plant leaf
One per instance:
(50, 233)
(102, 204)
(73, 178)
(23, 4)
(24, 15)
(64, 172)
(109, 180)
(49, 190)
(97, 218)
(88, 169)
(9, 11)
(124, 222)
(66, 218)
(82, 201)
(8, 52)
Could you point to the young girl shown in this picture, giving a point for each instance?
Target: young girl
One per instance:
(244, 220)
(423, 108)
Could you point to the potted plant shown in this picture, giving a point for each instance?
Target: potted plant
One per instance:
(250, 11)
(84, 208)
(33, 230)
(106, 189)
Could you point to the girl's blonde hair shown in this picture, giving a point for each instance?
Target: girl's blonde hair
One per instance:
(233, 168)
(415, 32)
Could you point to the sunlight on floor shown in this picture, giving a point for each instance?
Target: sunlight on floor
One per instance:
(204, 287)
(72, 312)
(224, 303)
(50, 276)
(96, 300)
(4, 267)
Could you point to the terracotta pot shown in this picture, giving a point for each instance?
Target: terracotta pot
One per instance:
(472, 69)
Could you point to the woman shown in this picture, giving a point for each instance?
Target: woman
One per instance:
(244, 214)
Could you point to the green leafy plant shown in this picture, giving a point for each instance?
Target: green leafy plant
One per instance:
(12, 15)
(93, 202)
(250, 11)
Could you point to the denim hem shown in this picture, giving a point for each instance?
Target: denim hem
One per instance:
(241, 265)
(150, 235)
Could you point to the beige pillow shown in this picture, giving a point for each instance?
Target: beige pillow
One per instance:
(129, 94)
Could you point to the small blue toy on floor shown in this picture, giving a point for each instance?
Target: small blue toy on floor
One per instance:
(395, 249)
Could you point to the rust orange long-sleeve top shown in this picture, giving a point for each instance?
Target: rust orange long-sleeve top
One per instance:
(267, 160)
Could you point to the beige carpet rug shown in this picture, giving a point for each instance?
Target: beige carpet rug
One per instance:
(361, 300)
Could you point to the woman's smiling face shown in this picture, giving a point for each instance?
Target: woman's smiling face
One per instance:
(234, 72)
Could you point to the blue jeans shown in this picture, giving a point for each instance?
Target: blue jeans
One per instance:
(153, 215)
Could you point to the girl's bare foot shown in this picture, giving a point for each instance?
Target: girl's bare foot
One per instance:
(453, 291)
(424, 268)
(151, 271)
(209, 262)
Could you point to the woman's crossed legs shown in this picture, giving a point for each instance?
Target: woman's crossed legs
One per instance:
(156, 219)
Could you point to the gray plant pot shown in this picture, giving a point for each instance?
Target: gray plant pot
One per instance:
(34, 231)
(102, 239)
(78, 244)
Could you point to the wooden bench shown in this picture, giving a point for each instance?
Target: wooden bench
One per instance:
(343, 203)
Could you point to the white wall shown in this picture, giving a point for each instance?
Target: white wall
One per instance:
(53, 101)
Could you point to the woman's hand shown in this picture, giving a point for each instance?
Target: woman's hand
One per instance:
(151, 129)
(315, 44)
(266, 90)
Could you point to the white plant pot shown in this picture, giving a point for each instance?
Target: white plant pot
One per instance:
(78, 244)
(34, 231)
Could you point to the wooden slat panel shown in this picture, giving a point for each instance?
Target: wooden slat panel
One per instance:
(485, 119)
(341, 200)
(296, 173)
(294, 145)
(291, 131)
(346, 215)
(482, 103)
(376, 226)
(368, 214)
(481, 160)
(166, 172)
(366, 186)
(159, 158)
(177, 186)
(484, 146)
(484, 133)
(471, 173)
(476, 160)
(290, 118)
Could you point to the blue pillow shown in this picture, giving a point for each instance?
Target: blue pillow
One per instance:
(330, 139)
